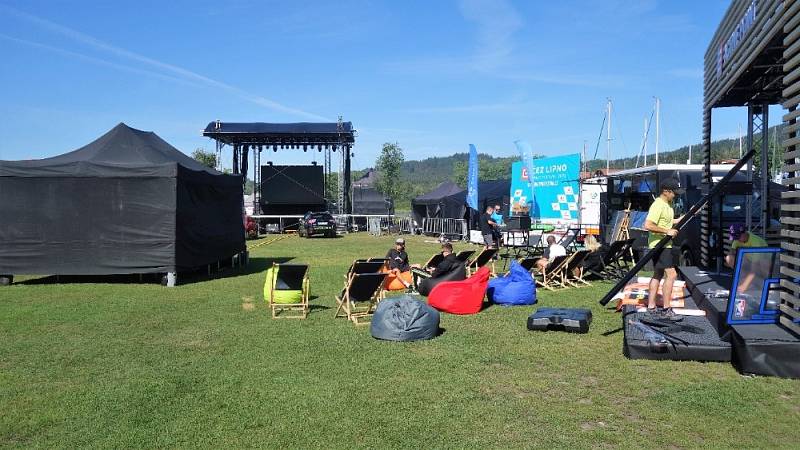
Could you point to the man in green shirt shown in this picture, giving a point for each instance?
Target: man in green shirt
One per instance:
(659, 222)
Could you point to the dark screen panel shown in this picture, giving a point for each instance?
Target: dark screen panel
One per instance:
(292, 185)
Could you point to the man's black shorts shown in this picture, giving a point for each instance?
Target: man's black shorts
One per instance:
(664, 259)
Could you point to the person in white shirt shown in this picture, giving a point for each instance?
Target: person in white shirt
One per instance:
(554, 250)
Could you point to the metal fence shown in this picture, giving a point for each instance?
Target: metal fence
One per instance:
(450, 228)
(374, 223)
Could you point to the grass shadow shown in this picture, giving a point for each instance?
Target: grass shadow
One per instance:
(255, 265)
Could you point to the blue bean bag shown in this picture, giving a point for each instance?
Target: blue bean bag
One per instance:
(514, 288)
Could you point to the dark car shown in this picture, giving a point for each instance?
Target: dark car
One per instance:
(317, 223)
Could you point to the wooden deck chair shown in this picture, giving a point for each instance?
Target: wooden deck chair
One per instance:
(434, 260)
(486, 256)
(609, 261)
(550, 277)
(573, 269)
(363, 288)
(528, 263)
(363, 266)
(465, 255)
(286, 291)
(568, 240)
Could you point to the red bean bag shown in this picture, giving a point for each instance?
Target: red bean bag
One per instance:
(395, 282)
(461, 297)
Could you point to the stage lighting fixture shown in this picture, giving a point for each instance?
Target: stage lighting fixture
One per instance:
(269, 163)
(313, 163)
(274, 148)
(319, 148)
(334, 148)
(305, 148)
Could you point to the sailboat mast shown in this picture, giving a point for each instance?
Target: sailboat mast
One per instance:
(658, 125)
(608, 138)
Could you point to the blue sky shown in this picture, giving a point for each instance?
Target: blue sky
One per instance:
(433, 76)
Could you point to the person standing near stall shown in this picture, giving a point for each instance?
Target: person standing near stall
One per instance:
(660, 222)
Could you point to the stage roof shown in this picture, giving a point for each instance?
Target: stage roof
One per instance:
(281, 133)
(744, 62)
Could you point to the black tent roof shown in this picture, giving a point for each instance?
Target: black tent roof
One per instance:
(121, 152)
(445, 189)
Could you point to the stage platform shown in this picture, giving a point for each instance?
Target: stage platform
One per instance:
(700, 283)
(768, 349)
(705, 345)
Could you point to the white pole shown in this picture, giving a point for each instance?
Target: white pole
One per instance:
(608, 139)
(690, 155)
(658, 126)
(740, 141)
(584, 168)
(644, 144)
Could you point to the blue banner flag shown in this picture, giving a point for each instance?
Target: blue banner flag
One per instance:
(472, 178)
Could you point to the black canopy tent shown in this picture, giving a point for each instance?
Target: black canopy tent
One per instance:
(367, 200)
(448, 200)
(128, 202)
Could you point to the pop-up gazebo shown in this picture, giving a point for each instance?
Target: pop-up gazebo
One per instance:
(128, 202)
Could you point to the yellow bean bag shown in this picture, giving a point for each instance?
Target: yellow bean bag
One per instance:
(282, 294)
(394, 281)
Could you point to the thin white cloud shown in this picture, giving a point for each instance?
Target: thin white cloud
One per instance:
(496, 22)
(167, 67)
(97, 61)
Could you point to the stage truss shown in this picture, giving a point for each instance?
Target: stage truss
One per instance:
(246, 138)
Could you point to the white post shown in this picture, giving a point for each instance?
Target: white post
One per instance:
(689, 161)
(658, 125)
(583, 159)
(608, 139)
(644, 143)
(740, 141)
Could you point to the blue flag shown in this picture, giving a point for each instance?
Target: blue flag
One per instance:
(472, 178)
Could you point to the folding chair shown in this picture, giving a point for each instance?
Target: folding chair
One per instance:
(619, 264)
(361, 288)
(465, 255)
(286, 290)
(364, 266)
(484, 257)
(551, 275)
(568, 240)
(609, 261)
(575, 264)
(434, 260)
(528, 263)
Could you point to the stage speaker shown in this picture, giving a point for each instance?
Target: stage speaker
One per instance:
(519, 223)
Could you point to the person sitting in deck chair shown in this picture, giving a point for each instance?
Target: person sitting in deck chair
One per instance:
(398, 261)
(741, 238)
(554, 250)
(448, 263)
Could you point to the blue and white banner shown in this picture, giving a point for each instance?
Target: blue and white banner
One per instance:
(472, 178)
(546, 188)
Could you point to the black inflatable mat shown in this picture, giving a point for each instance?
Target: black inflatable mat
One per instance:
(702, 343)
(568, 319)
(766, 350)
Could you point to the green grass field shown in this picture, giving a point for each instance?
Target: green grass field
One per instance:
(203, 365)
